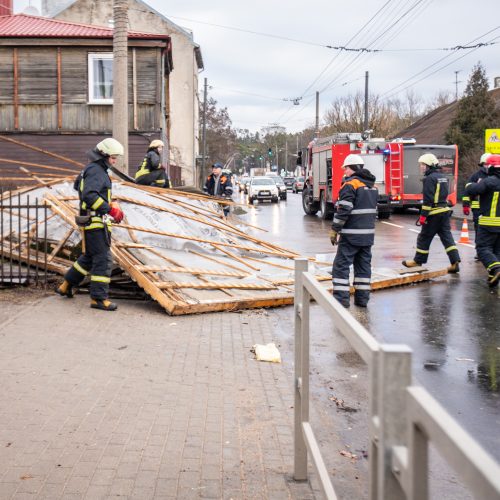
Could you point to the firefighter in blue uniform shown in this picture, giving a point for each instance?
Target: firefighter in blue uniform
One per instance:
(151, 171)
(488, 237)
(94, 189)
(219, 184)
(434, 216)
(472, 203)
(353, 228)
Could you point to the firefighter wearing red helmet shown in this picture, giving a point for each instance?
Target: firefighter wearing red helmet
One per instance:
(488, 237)
(434, 216)
(469, 203)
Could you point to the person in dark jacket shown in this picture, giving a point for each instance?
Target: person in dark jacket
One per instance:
(219, 184)
(488, 237)
(151, 171)
(94, 189)
(472, 203)
(353, 228)
(434, 216)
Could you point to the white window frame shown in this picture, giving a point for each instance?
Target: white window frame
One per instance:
(92, 56)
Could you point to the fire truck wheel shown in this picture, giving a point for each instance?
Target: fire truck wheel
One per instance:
(325, 210)
(310, 206)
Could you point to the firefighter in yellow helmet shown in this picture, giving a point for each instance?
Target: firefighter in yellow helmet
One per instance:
(435, 215)
(151, 172)
(96, 211)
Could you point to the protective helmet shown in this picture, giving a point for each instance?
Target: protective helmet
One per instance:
(353, 161)
(429, 159)
(217, 165)
(156, 144)
(110, 147)
(493, 161)
(483, 158)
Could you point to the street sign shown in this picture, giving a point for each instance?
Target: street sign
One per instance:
(492, 141)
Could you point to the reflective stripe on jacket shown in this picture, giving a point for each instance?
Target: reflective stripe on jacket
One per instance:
(489, 204)
(435, 193)
(356, 211)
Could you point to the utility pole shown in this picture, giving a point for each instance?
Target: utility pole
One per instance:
(317, 114)
(365, 124)
(204, 133)
(120, 63)
(286, 155)
(456, 84)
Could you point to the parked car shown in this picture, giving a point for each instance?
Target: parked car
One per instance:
(262, 188)
(298, 185)
(281, 185)
(289, 180)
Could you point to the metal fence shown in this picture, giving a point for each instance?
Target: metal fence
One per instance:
(23, 240)
(404, 418)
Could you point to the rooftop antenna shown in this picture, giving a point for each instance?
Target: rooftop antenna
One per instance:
(456, 84)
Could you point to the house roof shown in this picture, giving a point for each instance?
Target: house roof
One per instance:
(25, 26)
(431, 128)
(166, 20)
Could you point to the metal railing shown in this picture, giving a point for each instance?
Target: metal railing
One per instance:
(404, 418)
(23, 240)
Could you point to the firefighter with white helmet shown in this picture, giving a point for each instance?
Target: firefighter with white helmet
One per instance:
(353, 228)
(469, 203)
(435, 215)
(488, 237)
(151, 171)
(96, 211)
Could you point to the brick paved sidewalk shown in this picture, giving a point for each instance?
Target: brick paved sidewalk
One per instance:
(141, 405)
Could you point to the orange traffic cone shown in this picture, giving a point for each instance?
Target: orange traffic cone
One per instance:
(464, 235)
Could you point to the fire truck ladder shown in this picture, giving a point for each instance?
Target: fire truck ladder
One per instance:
(396, 170)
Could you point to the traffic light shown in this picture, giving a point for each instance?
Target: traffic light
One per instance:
(260, 157)
(270, 152)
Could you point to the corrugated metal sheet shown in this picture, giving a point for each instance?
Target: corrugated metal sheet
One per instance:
(23, 25)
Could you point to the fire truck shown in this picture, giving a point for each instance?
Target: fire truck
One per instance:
(405, 177)
(394, 165)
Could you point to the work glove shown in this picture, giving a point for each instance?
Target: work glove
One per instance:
(421, 220)
(466, 210)
(116, 212)
(334, 236)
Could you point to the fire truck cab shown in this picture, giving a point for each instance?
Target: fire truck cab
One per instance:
(322, 162)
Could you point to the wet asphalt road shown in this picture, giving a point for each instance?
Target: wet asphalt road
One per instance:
(452, 324)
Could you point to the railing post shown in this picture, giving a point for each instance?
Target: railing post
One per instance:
(374, 426)
(394, 376)
(418, 464)
(301, 379)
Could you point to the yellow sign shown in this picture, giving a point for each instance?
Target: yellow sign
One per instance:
(492, 141)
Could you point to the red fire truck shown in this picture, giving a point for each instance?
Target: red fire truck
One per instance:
(394, 165)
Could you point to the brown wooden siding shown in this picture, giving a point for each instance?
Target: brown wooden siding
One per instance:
(37, 89)
(6, 77)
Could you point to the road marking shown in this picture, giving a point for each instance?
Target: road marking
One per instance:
(391, 224)
(467, 245)
(414, 230)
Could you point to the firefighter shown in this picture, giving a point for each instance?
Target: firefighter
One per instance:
(353, 228)
(488, 237)
(151, 171)
(434, 216)
(94, 190)
(219, 184)
(469, 203)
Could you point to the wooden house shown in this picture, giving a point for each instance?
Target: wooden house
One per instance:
(56, 90)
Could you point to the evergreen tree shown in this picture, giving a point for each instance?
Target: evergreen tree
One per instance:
(476, 112)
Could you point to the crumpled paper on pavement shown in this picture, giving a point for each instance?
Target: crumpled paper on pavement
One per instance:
(268, 352)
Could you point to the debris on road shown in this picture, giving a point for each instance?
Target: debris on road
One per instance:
(341, 404)
(268, 352)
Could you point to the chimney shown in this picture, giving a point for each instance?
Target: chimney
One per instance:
(6, 8)
(496, 82)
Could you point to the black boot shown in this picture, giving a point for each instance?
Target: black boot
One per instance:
(103, 304)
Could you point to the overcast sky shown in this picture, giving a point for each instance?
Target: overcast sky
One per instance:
(239, 64)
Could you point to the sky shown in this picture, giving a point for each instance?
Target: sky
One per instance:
(257, 76)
